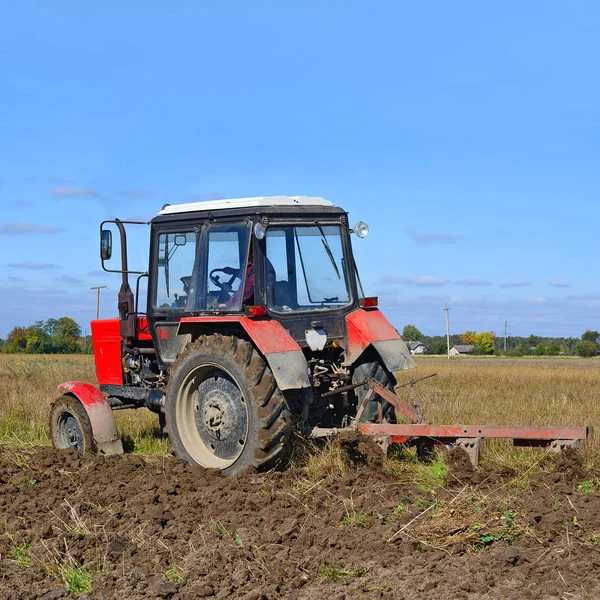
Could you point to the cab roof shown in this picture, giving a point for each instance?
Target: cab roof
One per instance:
(233, 203)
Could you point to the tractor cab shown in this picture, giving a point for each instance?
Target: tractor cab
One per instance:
(288, 259)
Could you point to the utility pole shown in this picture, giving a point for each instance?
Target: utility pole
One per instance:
(447, 330)
(98, 288)
(505, 327)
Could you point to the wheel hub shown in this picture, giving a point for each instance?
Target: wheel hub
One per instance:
(213, 417)
(71, 433)
(221, 416)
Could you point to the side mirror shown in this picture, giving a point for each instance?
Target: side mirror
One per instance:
(180, 240)
(105, 244)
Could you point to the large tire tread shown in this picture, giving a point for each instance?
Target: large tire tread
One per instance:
(270, 446)
(371, 367)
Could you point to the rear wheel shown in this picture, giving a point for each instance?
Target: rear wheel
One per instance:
(223, 407)
(374, 369)
(70, 427)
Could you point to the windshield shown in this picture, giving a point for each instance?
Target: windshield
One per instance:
(306, 269)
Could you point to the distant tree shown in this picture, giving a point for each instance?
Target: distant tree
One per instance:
(52, 336)
(534, 340)
(570, 344)
(587, 349)
(469, 338)
(16, 340)
(411, 334)
(50, 326)
(66, 335)
(85, 345)
(37, 340)
(540, 350)
(552, 350)
(591, 336)
(437, 346)
(486, 342)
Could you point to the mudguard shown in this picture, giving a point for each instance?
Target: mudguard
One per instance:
(368, 327)
(282, 353)
(100, 414)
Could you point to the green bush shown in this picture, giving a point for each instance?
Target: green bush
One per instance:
(587, 349)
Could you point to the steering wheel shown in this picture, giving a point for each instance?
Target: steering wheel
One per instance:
(235, 273)
(224, 286)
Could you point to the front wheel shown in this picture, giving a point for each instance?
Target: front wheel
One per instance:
(224, 409)
(70, 426)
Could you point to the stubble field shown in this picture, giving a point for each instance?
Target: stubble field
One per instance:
(340, 522)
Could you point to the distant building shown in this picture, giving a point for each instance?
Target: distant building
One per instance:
(461, 350)
(416, 347)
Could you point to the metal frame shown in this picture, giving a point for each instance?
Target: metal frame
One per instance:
(468, 437)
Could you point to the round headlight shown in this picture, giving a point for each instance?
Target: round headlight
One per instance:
(259, 231)
(361, 229)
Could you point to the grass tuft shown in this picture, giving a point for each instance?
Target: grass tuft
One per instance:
(173, 574)
(77, 579)
(336, 574)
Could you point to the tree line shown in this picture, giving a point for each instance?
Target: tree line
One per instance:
(52, 336)
(487, 342)
(63, 336)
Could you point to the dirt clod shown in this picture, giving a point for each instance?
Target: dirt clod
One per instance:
(460, 468)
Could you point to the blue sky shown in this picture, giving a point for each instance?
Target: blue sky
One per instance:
(466, 134)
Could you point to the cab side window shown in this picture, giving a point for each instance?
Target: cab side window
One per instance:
(176, 258)
(226, 269)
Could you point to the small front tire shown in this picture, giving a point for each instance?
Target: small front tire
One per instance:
(70, 427)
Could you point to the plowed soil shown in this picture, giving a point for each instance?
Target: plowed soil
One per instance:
(161, 529)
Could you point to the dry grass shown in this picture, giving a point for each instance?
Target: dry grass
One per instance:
(29, 384)
(523, 391)
(556, 391)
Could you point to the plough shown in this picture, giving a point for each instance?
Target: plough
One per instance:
(468, 437)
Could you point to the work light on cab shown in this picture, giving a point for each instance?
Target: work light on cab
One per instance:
(361, 229)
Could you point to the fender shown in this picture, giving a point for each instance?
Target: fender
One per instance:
(100, 414)
(368, 327)
(282, 353)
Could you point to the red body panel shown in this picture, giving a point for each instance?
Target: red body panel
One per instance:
(106, 337)
(269, 336)
(86, 393)
(364, 327)
(143, 333)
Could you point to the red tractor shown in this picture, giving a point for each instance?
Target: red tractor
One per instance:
(255, 323)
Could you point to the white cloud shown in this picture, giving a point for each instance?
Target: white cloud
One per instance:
(136, 194)
(67, 191)
(69, 279)
(516, 283)
(423, 280)
(33, 266)
(432, 238)
(559, 283)
(473, 282)
(27, 229)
